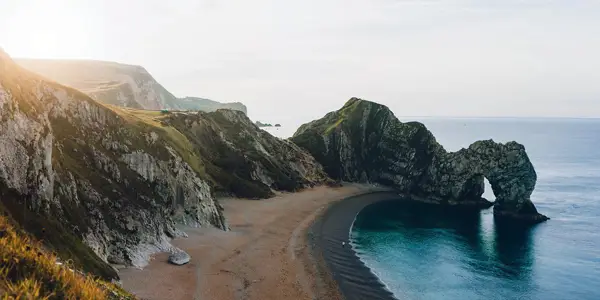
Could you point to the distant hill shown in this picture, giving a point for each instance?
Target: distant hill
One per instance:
(194, 103)
(261, 124)
(119, 84)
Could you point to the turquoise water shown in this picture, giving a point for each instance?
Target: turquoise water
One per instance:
(425, 252)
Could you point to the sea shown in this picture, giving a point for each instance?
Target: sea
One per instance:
(421, 251)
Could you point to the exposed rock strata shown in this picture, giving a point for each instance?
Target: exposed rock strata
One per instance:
(84, 170)
(105, 184)
(365, 142)
(244, 160)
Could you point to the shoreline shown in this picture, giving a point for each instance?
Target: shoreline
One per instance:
(354, 279)
(267, 254)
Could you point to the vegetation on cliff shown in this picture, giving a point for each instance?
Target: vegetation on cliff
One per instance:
(364, 141)
(243, 160)
(102, 184)
(207, 105)
(28, 271)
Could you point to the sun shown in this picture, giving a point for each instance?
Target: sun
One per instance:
(44, 29)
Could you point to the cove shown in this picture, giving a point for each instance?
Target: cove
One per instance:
(424, 251)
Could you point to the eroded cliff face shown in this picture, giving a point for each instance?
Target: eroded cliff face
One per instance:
(364, 141)
(72, 170)
(103, 184)
(458, 176)
(243, 160)
(119, 84)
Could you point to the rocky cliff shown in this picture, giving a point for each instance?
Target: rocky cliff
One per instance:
(364, 141)
(243, 160)
(101, 184)
(119, 84)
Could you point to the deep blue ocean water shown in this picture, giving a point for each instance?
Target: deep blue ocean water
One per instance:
(424, 252)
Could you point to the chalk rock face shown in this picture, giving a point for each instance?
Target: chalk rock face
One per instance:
(179, 258)
(120, 84)
(365, 142)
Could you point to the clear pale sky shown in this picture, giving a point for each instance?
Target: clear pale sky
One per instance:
(292, 61)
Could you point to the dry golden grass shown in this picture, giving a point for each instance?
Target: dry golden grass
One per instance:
(150, 117)
(29, 272)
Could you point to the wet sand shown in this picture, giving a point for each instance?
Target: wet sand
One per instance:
(331, 231)
(266, 255)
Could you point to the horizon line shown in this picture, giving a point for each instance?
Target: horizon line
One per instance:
(503, 117)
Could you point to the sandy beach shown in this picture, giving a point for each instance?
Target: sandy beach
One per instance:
(265, 255)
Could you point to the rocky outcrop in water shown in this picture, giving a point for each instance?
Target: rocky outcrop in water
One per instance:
(365, 142)
(103, 184)
(120, 84)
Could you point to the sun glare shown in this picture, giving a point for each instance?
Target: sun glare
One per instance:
(45, 29)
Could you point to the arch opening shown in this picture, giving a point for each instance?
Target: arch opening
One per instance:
(477, 190)
(488, 192)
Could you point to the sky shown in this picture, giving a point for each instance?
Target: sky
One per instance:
(293, 61)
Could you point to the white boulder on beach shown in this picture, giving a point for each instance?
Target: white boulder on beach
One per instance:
(179, 258)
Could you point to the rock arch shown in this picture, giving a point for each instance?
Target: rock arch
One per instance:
(366, 138)
(507, 168)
